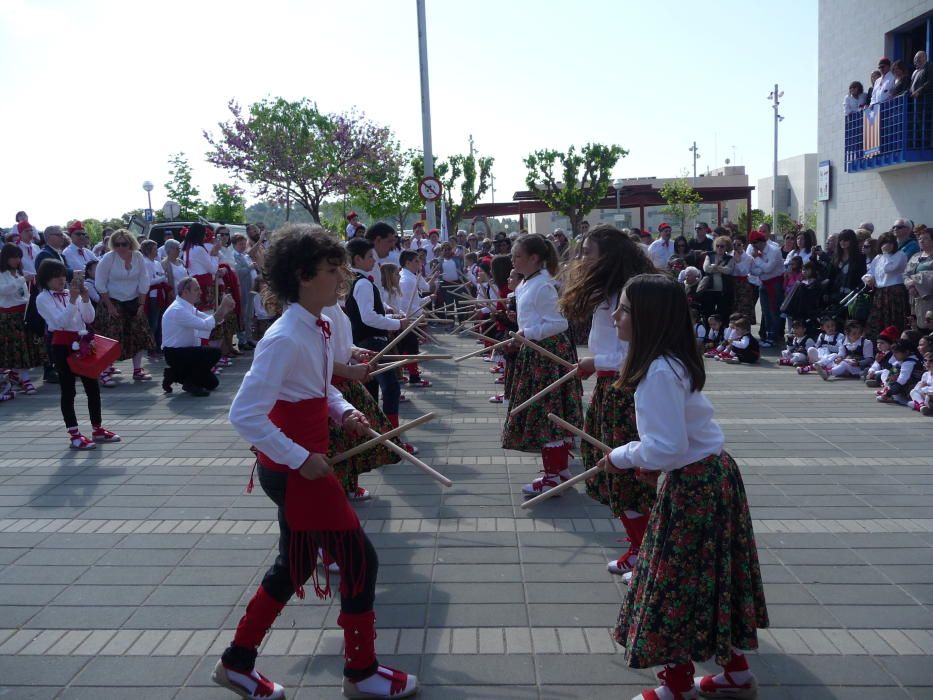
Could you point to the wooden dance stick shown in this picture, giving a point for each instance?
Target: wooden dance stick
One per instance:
(563, 486)
(386, 368)
(464, 297)
(547, 353)
(363, 446)
(395, 341)
(407, 456)
(475, 334)
(546, 390)
(417, 358)
(482, 350)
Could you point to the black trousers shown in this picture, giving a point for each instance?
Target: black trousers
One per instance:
(278, 581)
(192, 366)
(387, 381)
(66, 382)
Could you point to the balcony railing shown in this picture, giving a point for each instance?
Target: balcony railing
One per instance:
(891, 134)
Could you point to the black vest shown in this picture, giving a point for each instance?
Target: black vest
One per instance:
(361, 331)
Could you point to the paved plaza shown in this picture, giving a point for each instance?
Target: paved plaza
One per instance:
(124, 571)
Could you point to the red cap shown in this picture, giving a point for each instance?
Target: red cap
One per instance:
(75, 226)
(434, 230)
(23, 225)
(884, 59)
(663, 226)
(890, 334)
(352, 215)
(757, 236)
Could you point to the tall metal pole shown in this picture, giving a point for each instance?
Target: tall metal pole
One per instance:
(695, 156)
(425, 107)
(776, 98)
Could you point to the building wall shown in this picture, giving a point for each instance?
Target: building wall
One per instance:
(852, 37)
(797, 183)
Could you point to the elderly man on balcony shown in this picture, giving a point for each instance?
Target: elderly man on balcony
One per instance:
(920, 80)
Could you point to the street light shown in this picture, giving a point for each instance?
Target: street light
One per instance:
(148, 186)
(775, 98)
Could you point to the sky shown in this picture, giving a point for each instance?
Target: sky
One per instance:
(99, 93)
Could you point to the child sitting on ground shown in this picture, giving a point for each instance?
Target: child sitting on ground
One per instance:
(855, 355)
(699, 329)
(744, 346)
(800, 342)
(828, 345)
(906, 370)
(714, 334)
(922, 393)
(878, 372)
(721, 351)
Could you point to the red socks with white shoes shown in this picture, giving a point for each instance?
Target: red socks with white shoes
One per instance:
(676, 684)
(736, 680)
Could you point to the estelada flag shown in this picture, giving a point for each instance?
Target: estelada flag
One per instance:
(871, 130)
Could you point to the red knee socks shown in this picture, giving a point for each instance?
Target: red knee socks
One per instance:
(260, 614)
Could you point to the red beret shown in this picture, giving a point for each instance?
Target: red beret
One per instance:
(352, 215)
(75, 226)
(664, 226)
(890, 334)
(22, 226)
(757, 236)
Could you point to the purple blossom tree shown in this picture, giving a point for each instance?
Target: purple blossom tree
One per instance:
(291, 150)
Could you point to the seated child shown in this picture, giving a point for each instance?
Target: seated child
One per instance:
(699, 330)
(721, 351)
(855, 356)
(828, 345)
(743, 346)
(922, 393)
(795, 354)
(906, 370)
(881, 367)
(714, 334)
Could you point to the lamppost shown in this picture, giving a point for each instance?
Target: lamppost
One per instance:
(775, 98)
(696, 154)
(148, 186)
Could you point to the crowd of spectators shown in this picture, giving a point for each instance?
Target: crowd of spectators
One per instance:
(888, 81)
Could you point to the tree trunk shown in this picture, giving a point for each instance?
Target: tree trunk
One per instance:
(574, 216)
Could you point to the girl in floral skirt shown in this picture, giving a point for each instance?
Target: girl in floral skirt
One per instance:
(609, 259)
(539, 320)
(696, 591)
(20, 350)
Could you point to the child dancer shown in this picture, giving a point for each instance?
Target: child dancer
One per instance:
(506, 317)
(696, 591)
(66, 314)
(795, 354)
(609, 260)
(283, 413)
(539, 320)
(714, 334)
(743, 347)
(722, 351)
(922, 393)
(877, 374)
(855, 356)
(20, 350)
(906, 370)
(828, 345)
(699, 328)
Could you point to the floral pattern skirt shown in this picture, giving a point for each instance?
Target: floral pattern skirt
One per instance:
(126, 326)
(746, 296)
(696, 591)
(349, 470)
(530, 430)
(508, 374)
(890, 306)
(610, 419)
(19, 349)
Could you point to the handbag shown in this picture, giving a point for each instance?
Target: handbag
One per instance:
(94, 356)
(789, 297)
(859, 306)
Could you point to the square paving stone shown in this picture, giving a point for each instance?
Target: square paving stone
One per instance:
(38, 670)
(469, 670)
(135, 672)
(162, 617)
(68, 617)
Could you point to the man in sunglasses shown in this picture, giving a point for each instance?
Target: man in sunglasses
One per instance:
(78, 255)
(702, 240)
(906, 240)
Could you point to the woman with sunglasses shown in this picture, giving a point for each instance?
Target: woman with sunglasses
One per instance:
(716, 291)
(122, 280)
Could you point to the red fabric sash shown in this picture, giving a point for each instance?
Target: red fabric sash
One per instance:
(13, 309)
(64, 338)
(206, 282)
(318, 512)
(231, 283)
(161, 297)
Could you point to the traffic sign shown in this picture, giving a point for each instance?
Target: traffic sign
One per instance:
(149, 215)
(430, 188)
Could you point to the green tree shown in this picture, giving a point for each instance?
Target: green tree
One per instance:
(465, 180)
(229, 205)
(758, 218)
(391, 192)
(583, 183)
(180, 188)
(683, 202)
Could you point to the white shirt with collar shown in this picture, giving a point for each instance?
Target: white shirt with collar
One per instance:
(183, 326)
(887, 269)
(538, 314)
(341, 333)
(292, 362)
(121, 284)
(675, 424)
(30, 251)
(769, 264)
(882, 89)
(156, 275)
(62, 315)
(365, 301)
(608, 351)
(199, 261)
(660, 251)
(450, 272)
(78, 258)
(13, 290)
(411, 284)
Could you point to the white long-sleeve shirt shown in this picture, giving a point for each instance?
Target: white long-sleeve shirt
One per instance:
(121, 284)
(199, 262)
(608, 351)
(769, 264)
(660, 251)
(78, 258)
(851, 350)
(363, 295)
(882, 89)
(13, 290)
(536, 302)
(291, 363)
(341, 333)
(30, 251)
(156, 275)
(886, 269)
(61, 315)
(183, 326)
(411, 300)
(675, 424)
(851, 105)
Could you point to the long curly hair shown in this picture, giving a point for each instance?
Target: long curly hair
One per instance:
(593, 281)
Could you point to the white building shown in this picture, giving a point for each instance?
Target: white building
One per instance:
(853, 35)
(796, 188)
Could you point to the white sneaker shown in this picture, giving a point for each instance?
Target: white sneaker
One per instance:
(384, 683)
(545, 483)
(623, 565)
(252, 685)
(627, 578)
